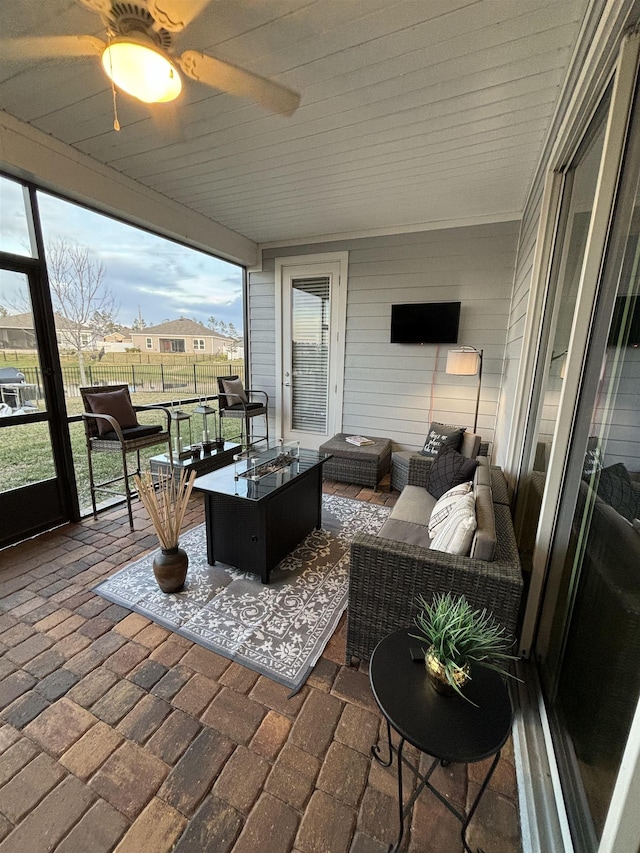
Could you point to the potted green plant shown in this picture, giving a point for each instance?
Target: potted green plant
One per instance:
(456, 635)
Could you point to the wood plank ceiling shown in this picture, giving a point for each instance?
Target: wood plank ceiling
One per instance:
(414, 114)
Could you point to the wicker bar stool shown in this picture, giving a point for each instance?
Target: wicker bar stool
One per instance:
(111, 426)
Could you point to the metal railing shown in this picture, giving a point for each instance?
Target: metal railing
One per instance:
(198, 379)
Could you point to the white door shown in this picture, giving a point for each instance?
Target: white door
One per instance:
(312, 300)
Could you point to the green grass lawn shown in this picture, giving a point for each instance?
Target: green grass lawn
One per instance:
(25, 450)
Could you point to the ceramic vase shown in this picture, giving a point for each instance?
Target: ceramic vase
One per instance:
(170, 568)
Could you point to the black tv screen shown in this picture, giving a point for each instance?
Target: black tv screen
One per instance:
(425, 323)
(632, 324)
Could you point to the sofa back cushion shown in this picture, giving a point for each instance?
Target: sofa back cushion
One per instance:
(470, 445)
(483, 546)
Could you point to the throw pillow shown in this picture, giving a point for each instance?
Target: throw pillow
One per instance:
(456, 534)
(234, 386)
(114, 403)
(449, 469)
(592, 458)
(441, 435)
(614, 487)
(445, 504)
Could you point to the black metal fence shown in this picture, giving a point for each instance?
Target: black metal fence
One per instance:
(191, 379)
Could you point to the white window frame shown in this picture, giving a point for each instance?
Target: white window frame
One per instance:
(149, 343)
(198, 345)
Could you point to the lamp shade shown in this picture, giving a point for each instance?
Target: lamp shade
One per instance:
(141, 70)
(463, 362)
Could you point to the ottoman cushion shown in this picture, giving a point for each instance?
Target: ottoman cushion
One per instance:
(352, 464)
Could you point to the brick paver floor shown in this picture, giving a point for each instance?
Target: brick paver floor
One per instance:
(117, 735)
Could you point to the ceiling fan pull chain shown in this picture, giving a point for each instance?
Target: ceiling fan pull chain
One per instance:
(116, 123)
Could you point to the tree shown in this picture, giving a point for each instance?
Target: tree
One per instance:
(104, 322)
(218, 326)
(3, 311)
(232, 344)
(139, 323)
(79, 294)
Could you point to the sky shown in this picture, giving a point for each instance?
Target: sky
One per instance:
(147, 274)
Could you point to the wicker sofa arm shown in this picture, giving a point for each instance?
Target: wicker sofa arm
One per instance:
(419, 467)
(387, 576)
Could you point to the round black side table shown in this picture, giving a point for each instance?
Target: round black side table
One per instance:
(446, 727)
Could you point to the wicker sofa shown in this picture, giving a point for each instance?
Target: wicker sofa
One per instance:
(386, 575)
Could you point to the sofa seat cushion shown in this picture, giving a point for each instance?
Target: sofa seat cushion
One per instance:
(414, 505)
(133, 433)
(405, 532)
(409, 518)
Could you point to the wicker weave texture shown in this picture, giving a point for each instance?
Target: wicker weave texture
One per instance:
(499, 489)
(364, 472)
(387, 576)
(399, 470)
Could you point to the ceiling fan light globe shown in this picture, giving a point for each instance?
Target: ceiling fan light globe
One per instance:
(141, 71)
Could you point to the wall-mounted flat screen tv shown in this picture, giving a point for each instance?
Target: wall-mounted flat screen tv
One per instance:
(425, 323)
(630, 316)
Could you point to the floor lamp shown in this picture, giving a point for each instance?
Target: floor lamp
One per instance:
(466, 361)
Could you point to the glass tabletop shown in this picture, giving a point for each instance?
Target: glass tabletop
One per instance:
(258, 473)
(198, 454)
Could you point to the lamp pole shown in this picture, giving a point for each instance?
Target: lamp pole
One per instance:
(475, 422)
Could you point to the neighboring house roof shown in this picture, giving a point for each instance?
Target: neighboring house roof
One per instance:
(16, 321)
(62, 325)
(182, 326)
(25, 321)
(119, 337)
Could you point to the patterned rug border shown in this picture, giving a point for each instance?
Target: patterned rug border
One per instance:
(293, 588)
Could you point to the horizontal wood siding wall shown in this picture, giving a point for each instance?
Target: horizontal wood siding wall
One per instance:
(261, 310)
(396, 390)
(516, 320)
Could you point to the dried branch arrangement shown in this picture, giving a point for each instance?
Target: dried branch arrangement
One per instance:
(166, 502)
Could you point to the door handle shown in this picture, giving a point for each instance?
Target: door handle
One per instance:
(287, 385)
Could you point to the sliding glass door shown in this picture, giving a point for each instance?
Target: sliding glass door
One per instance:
(37, 489)
(584, 452)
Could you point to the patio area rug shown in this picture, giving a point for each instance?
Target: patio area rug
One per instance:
(279, 629)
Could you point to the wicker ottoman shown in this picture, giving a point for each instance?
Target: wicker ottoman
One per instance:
(364, 465)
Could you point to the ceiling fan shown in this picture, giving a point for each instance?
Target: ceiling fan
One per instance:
(138, 54)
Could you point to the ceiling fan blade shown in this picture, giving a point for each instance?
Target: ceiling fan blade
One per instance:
(174, 15)
(237, 81)
(102, 7)
(48, 46)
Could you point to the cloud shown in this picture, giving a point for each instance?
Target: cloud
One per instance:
(148, 274)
